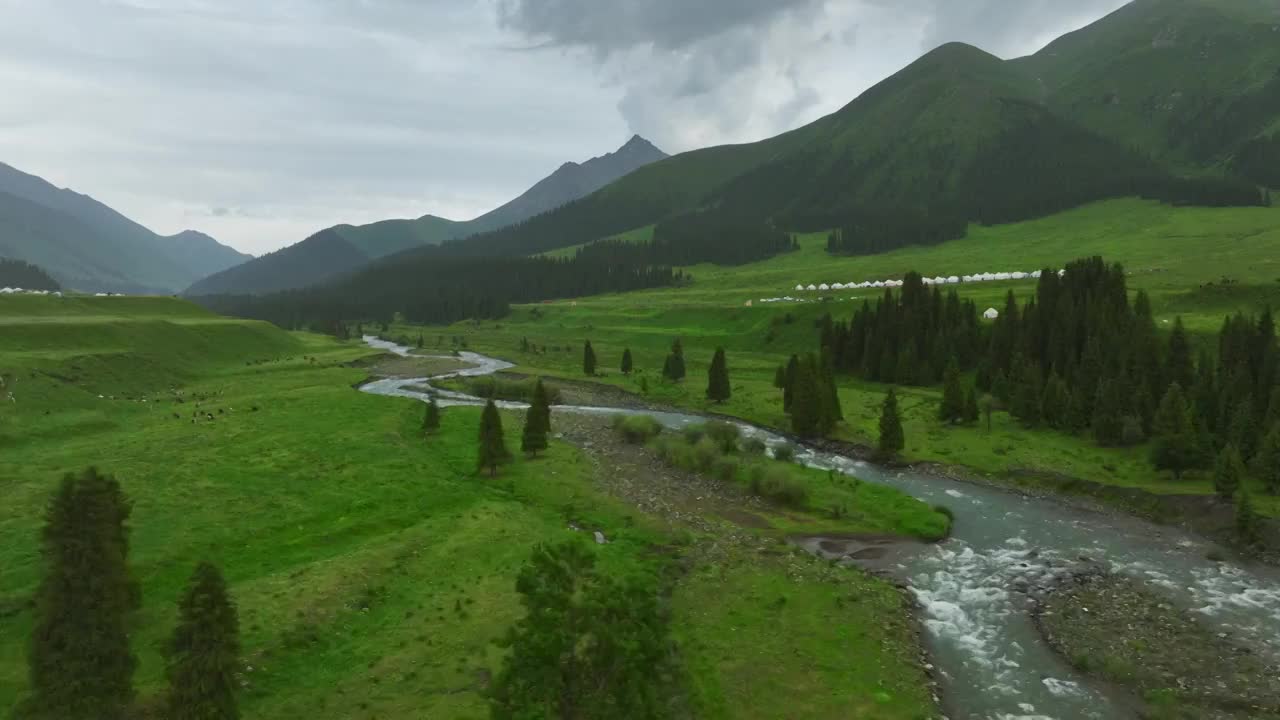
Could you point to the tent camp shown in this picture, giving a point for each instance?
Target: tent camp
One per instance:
(991, 314)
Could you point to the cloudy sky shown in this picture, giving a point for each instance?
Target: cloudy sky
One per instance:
(262, 122)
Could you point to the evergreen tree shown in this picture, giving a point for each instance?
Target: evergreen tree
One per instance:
(674, 369)
(952, 408)
(718, 389)
(626, 361)
(431, 420)
(832, 413)
(1246, 518)
(780, 377)
(1243, 430)
(493, 448)
(788, 390)
(1228, 472)
(668, 371)
(587, 646)
(1175, 445)
(1266, 461)
(203, 654)
(588, 359)
(891, 438)
(80, 666)
(1028, 395)
(1108, 414)
(971, 412)
(988, 406)
(537, 422)
(1178, 367)
(1055, 404)
(806, 401)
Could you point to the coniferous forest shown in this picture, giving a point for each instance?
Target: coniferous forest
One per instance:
(1080, 356)
(19, 274)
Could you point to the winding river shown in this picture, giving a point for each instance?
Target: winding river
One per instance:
(991, 662)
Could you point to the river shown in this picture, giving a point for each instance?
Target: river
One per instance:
(991, 661)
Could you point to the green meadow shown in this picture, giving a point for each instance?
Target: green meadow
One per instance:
(1197, 263)
(373, 568)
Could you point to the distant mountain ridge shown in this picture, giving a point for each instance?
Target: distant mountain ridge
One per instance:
(318, 257)
(88, 246)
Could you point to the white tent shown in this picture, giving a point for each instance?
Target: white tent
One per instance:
(1019, 276)
(824, 287)
(893, 283)
(7, 291)
(800, 288)
(991, 314)
(812, 288)
(877, 284)
(1036, 274)
(953, 280)
(838, 286)
(967, 278)
(1062, 272)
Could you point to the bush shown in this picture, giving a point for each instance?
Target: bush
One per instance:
(726, 469)
(785, 453)
(754, 447)
(724, 435)
(705, 454)
(777, 484)
(637, 429)
(694, 433)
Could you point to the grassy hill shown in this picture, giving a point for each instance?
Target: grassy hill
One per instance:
(1188, 81)
(373, 569)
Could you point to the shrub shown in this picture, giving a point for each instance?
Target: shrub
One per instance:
(784, 453)
(694, 433)
(754, 447)
(636, 429)
(705, 454)
(775, 483)
(726, 469)
(723, 434)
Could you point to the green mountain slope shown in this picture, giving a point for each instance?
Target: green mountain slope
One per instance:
(1188, 81)
(375, 240)
(88, 246)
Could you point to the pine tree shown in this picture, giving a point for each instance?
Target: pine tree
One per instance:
(668, 372)
(788, 390)
(588, 359)
(1246, 518)
(806, 401)
(1243, 430)
(952, 408)
(1228, 472)
(780, 377)
(971, 412)
(431, 420)
(1055, 404)
(1266, 461)
(537, 422)
(891, 437)
(1028, 395)
(493, 449)
(988, 404)
(677, 361)
(626, 361)
(832, 413)
(1108, 414)
(718, 389)
(203, 654)
(1175, 445)
(80, 665)
(1178, 366)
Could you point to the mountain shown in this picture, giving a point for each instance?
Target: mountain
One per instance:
(965, 133)
(1189, 81)
(318, 258)
(88, 246)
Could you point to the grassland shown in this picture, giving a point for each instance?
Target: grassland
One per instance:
(373, 568)
(1197, 263)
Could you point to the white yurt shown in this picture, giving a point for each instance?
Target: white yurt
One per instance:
(1036, 274)
(838, 286)
(824, 287)
(1019, 276)
(954, 279)
(800, 288)
(812, 288)
(1062, 272)
(877, 284)
(991, 314)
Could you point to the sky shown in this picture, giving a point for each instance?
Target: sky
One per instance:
(261, 123)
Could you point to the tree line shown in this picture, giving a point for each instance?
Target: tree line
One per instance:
(21, 274)
(434, 288)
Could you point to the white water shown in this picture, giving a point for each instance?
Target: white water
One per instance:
(992, 663)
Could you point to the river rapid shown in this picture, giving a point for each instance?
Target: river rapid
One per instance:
(972, 588)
